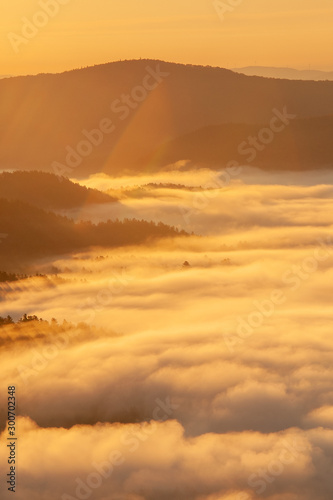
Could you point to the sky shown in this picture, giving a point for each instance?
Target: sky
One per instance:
(67, 34)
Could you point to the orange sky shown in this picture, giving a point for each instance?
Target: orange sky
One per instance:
(296, 33)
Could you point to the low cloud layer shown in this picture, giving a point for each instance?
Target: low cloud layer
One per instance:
(156, 460)
(210, 381)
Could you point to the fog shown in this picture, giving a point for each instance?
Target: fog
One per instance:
(209, 381)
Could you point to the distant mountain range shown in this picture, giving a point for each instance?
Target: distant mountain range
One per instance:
(30, 233)
(127, 116)
(302, 145)
(27, 201)
(44, 190)
(288, 73)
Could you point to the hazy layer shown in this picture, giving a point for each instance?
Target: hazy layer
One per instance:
(232, 355)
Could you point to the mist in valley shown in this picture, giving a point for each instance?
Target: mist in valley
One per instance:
(175, 370)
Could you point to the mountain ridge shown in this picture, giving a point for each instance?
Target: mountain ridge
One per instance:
(45, 118)
(45, 190)
(47, 234)
(285, 73)
(290, 149)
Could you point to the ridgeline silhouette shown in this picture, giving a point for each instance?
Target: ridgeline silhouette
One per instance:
(44, 190)
(303, 145)
(45, 114)
(33, 233)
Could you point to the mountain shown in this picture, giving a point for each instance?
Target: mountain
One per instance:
(302, 145)
(45, 190)
(285, 73)
(115, 117)
(29, 232)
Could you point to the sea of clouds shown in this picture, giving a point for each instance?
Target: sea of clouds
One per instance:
(207, 382)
